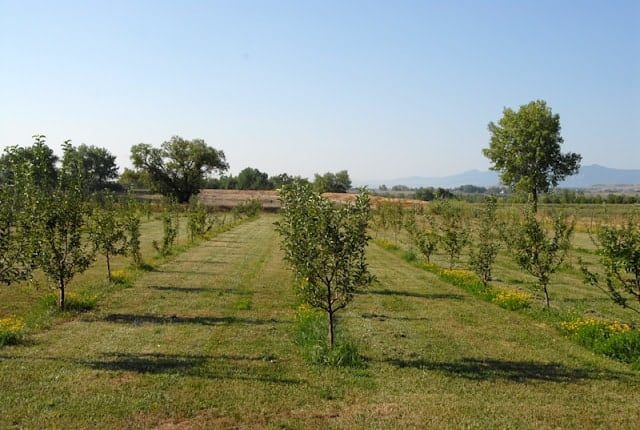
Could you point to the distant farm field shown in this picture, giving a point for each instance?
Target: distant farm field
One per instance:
(208, 340)
(270, 199)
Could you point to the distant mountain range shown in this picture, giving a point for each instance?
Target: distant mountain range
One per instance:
(587, 177)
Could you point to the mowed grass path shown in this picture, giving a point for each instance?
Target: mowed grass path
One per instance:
(207, 341)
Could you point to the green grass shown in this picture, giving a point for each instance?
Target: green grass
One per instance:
(209, 339)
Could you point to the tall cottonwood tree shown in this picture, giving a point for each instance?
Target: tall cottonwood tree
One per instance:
(178, 168)
(332, 182)
(525, 149)
(99, 167)
(325, 246)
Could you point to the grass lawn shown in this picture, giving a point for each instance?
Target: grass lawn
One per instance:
(207, 341)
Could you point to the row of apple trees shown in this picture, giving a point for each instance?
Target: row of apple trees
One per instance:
(325, 244)
(538, 243)
(51, 221)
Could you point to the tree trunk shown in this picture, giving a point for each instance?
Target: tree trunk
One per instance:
(108, 268)
(331, 330)
(546, 296)
(61, 302)
(534, 197)
(330, 313)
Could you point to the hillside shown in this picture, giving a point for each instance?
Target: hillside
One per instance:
(589, 176)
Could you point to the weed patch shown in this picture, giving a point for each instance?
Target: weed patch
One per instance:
(11, 331)
(509, 299)
(74, 303)
(614, 339)
(121, 277)
(312, 337)
(243, 304)
(409, 256)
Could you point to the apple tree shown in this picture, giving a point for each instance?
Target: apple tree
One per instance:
(325, 245)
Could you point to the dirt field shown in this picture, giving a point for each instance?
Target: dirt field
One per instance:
(270, 199)
(231, 198)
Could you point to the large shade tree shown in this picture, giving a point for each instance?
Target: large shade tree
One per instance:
(98, 166)
(332, 182)
(525, 149)
(253, 179)
(179, 167)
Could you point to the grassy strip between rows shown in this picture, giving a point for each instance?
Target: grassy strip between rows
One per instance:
(216, 338)
(614, 339)
(14, 330)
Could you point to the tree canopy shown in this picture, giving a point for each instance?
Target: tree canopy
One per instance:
(325, 245)
(332, 182)
(99, 167)
(179, 167)
(525, 148)
(253, 179)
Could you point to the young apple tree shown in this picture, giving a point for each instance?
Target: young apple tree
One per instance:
(107, 229)
(61, 247)
(454, 232)
(484, 252)
(15, 218)
(619, 251)
(536, 250)
(325, 246)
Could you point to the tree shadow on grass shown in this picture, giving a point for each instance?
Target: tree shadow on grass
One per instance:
(175, 319)
(179, 289)
(384, 317)
(487, 369)
(224, 367)
(435, 296)
(189, 272)
(201, 262)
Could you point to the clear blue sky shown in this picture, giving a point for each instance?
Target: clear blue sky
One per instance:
(384, 89)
